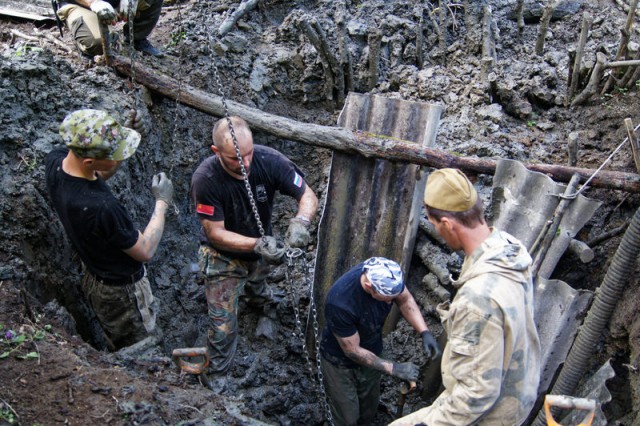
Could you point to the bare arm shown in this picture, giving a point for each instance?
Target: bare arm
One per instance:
(308, 204)
(144, 249)
(352, 349)
(219, 237)
(410, 311)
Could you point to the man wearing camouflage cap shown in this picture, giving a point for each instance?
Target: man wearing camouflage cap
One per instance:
(355, 311)
(491, 363)
(110, 246)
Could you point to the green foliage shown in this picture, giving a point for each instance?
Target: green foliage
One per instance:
(20, 343)
(6, 415)
(177, 38)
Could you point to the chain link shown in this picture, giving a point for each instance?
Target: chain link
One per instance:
(294, 255)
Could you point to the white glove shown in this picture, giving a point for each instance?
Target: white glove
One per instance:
(104, 10)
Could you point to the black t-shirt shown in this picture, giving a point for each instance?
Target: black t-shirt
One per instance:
(219, 196)
(349, 309)
(96, 223)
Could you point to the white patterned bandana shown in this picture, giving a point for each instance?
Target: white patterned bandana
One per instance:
(385, 275)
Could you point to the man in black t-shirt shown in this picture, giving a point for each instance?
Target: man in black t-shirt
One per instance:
(100, 229)
(232, 253)
(355, 310)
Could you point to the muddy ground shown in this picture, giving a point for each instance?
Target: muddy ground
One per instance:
(51, 368)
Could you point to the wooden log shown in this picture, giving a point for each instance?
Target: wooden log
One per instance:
(592, 86)
(624, 41)
(573, 147)
(244, 8)
(575, 74)
(628, 74)
(341, 139)
(582, 250)
(617, 64)
(488, 46)
(544, 25)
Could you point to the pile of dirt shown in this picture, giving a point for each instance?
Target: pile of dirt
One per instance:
(267, 62)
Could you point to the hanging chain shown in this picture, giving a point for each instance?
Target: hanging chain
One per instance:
(180, 46)
(245, 177)
(293, 256)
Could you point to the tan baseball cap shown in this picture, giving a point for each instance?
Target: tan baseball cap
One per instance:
(91, 133)
(449, 190)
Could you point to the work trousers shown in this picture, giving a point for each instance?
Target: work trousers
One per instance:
(127, 313)
(225, 280)
(85, 29)
(354, 393)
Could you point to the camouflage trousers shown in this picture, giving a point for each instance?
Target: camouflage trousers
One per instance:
(127, 313)
(354, 393)
(225, 280)
(84, 27)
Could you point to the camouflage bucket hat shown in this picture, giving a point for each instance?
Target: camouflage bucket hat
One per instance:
(385, 275)
(91, 133)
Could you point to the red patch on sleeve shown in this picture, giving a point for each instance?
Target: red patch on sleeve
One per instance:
(204, 209)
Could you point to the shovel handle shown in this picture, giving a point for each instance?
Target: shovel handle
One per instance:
(180, 354)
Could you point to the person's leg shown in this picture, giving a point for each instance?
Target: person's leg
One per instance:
(257, 292)
(117, 310)
(144, 22)
(341, 389)
(368, 388)
(224, 280)
(84, 28)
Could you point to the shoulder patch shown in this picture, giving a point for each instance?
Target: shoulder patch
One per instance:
(297, 180)
(204, 209)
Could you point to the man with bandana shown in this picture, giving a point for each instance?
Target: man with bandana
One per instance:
(355, 311)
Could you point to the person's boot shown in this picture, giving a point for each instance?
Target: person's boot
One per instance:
(145, 46)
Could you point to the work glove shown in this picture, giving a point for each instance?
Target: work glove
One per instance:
(297, 233)
(406, 371)
(270, 249)
(162, 188)
(430, 346)
(134, 121)
(104, 10)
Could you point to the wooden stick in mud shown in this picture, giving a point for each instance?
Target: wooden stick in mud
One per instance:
(633, 141)
(375, 41)
(442, 34)
(624, 41)
(582, 250)
(488, 45)
(338, 74)
(575, 74)
(420, 38)
(544, 24)
(592, 86)
(314, 38)
(572, 148)
(341, 139)
(520, 16)
(343, 46)
(244, 8)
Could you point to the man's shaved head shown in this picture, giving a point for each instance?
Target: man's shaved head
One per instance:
(222, 136)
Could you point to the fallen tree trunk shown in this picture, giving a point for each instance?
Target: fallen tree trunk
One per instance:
(341, 139)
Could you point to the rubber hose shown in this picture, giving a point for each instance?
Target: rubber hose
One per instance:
(607, 297)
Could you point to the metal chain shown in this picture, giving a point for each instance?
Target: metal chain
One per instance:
(292, 256)
(245, 177)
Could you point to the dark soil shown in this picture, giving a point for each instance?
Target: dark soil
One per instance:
(57, 374)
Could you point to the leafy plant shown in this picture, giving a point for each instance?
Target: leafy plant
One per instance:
(12, 342)
(6, 415)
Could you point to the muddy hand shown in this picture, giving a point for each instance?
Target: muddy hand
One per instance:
(270, 249)
(134, 121)
(406, 371)
(430, 346)
(162, 188)
(297, 233)
(106, 13)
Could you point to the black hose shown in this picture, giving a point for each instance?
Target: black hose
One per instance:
(607, 298)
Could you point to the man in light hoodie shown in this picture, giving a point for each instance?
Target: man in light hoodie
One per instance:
(491, 363)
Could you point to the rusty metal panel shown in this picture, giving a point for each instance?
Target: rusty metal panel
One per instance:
(372, 206)
(522, 203)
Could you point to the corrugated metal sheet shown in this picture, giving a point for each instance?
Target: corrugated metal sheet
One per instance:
(373, 206)
(523, 201)
(36, 10)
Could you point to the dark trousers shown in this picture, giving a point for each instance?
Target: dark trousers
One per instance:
(354, 393)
